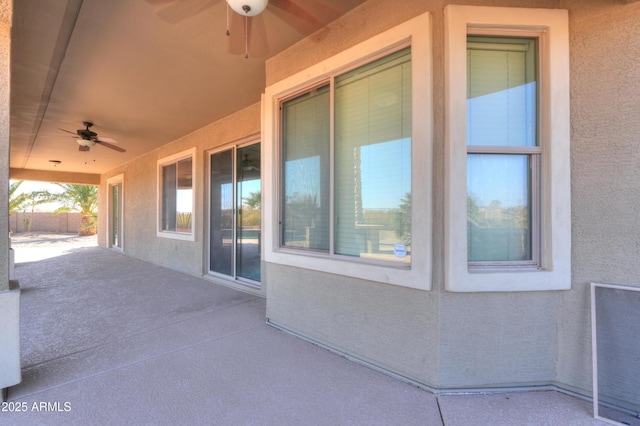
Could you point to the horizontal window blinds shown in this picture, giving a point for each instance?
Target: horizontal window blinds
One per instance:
(373, 159)
(306, 142)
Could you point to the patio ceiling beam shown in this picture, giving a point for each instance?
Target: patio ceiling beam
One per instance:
(54, 176)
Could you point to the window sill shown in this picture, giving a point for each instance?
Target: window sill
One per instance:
(176, 236)
(497, 269)
(508, 280)
(416, 276)
(368, 259)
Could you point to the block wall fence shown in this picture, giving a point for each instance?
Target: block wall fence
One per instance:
(44, 222)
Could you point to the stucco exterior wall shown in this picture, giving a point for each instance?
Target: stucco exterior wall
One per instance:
(389, 327)
(5, 85)
(437, 338)
(141, 200)
(605, 168)
(440, 339)
(10, 373)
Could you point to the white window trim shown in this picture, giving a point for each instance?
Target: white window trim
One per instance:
(113, 181)
(417, 32)
(162, 162)
(555, 273)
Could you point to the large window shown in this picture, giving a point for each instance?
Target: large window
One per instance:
(508, 191)
(176, 196)
(350, 141)
(371, 168)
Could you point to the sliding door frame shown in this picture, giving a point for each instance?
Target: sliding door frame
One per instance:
(234, 280)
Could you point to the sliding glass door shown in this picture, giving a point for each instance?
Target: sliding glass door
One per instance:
(235, 213)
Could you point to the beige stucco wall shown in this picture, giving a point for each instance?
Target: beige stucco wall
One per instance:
(605, 168)
(497, 339)
(390, 327)
(140, 195)
(9, 291)
(5, 85)
(439, 339)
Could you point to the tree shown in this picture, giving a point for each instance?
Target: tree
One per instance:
(16, 201)
(251, 214)
(26, 200)
(402, 219)
(254, 200)
(83, 198)
(32, 200)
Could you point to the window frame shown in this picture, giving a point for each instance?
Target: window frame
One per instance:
(332, 173)
(550, 26)
(166, 161)
(534, 154)
(234, 147)
(415, 33)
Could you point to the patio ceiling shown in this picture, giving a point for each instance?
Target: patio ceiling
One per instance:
(141, 79)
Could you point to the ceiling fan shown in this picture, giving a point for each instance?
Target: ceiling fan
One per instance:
(248, 165)
(245, 18)
(88, 138)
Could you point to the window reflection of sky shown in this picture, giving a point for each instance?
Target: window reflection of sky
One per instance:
(503, 118)
(184, 200)
(245, 188)
(385, 171)
(502, 178)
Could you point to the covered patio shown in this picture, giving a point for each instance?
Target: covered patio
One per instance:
(107, 339)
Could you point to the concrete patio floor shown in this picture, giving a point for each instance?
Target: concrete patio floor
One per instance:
(107, 339)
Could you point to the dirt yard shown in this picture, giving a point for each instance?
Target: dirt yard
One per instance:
(33, 246)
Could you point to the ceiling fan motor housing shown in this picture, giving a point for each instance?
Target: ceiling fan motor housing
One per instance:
(86, 133)
(248, 7)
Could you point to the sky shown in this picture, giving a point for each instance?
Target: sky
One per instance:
(30, 186)
(385, 174)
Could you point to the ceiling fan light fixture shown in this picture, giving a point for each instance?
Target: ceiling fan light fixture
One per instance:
(86, 142)
(248, 7)
(246, 164)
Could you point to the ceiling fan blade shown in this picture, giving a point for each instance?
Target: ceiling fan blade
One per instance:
(68, 131)
(247, 34)
(174, 11)
(108, 140)
(258, 39)
(235, 37)
(108, 145)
